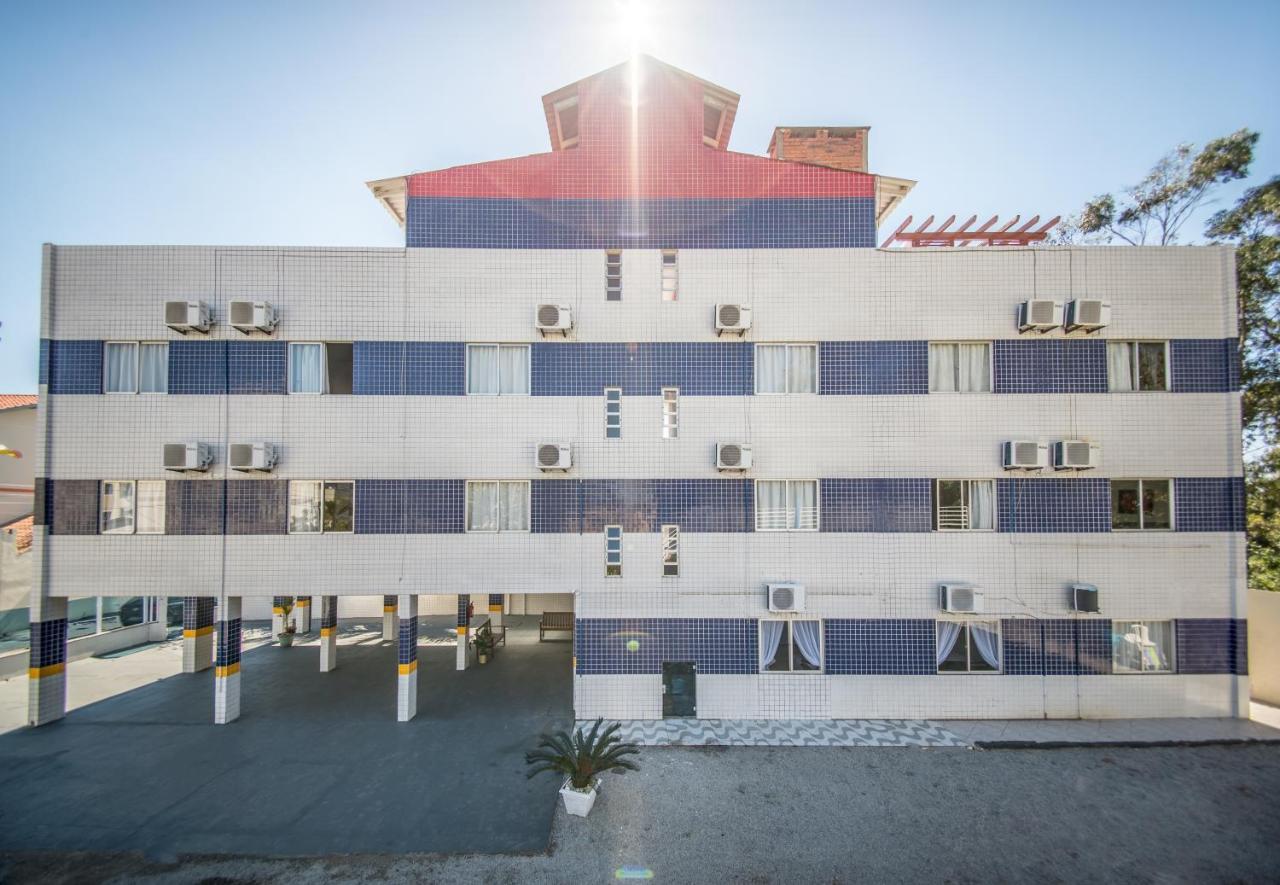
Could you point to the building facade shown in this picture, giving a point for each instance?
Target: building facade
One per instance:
(433, 429)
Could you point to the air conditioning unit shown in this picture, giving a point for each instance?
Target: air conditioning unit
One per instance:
(786, 597)
(187, 316)
(732, 319)
(959, 598)
(251, 456)
(553, 456)
(253, 316)
(1039, 315)
(733, 456)
(1084, 598)
(1088, 314)
(1025, 454)
(187, 456)
(1075, 454)
(554, 318)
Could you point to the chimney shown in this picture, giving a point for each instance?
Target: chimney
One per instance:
(838, 147)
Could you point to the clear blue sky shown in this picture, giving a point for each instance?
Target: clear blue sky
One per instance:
(257, 123)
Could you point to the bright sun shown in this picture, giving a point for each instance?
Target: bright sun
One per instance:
(633, 23)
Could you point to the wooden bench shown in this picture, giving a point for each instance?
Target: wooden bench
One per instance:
(551, 622)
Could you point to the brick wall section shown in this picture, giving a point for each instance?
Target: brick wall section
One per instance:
(838, 147)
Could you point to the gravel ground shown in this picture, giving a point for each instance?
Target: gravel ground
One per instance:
(1167, 815)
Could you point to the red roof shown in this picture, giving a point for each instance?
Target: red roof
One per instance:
(16, 400)
(21, 530)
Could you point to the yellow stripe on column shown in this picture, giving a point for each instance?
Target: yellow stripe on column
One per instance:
(302, 603)
(462, 631)
(406, 669)
(41, 672)
(277, 610)
(228, 670)
(326, 631)
(388, 608)
(198, 631)
(495, 606)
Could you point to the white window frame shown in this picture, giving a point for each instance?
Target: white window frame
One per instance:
(966, 625)
(789, 642)
(138, 370)
(102, 515)
(136, 349)
(991, 369)
(1142, 516)
(673, 293)
(563, 104)
(670, 535)
(613, 410)
(324, 370)
(817, 504)
(817, 368)
(612, 559)
(528, 507)
(528, 367)
(966, 495)
(608, 291)
(137, 505)
(671, 413)
(1133, 364)
(1171, 653)
(321, 530)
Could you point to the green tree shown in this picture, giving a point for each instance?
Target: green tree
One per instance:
(1262, 478)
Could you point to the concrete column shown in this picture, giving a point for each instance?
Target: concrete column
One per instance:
(302, 614)
(464, 627)
(328, 633)
(197, 633)
(390, 628)
(277, 615)
(226, 671)
(495, 609)
(47, 666)
(407, 658)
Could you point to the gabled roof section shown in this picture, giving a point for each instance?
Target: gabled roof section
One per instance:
(17, 401)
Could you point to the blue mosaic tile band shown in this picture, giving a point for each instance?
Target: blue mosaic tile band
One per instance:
(848, 368)
(328, 611)
(407, 645)
(71, 506)
(409, 368)
(897, 646)
(1022, 647)
(1056, 365)
(74, 366)
(410, 506)
(642, 505)
(227, 648)
(876, 505)
(464, 602)
(48, 642)
(1076, 504)
(640, 645)
(495, 599)
(278, 601)
(1204, 365)
(642, 369)
(1056, 647)
(1212, 645)
(197, 612)
(1209, 504)
(670, 223)
(257, 367)
(194, 507)
(197, 367)
(257, 507)
(42, 376)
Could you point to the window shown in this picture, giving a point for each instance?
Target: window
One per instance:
(790, 646)
(712, 119)
(318, 506)
(567, 121)
(129, 507)
(1137, 365)
(670, 412)
(671, 551)
(136, 367)
(968, 647)
(613, 275)
(498, 506)
(786, 505)
(320, 367)
(786, 368)
(965, 504)
(613, 551)
(1142, 646)
(613, 413)
(960, 368)
(87, 616)
(1140, 504)
(494, 369)
(117, 507)
(150, 494)
(670, 275)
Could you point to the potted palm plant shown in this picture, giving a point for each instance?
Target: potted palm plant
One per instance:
(582, 758)
(484, 644)
(290, 628)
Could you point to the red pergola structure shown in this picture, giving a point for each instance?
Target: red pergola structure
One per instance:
(963, 236)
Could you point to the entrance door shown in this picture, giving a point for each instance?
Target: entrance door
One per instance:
(679, 689)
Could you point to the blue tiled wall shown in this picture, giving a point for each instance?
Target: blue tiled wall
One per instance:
(675, 223)
(194, 507)
(410, 506)
(409, 368)
(197, 612)
(197, 367)
(642, 505)
(228, 643)
(74, 366)
(70, 506)
(1022, 647)
(873, 367)
(897, 646)
(43, 370)
(1204, 365)
(255, 366)
(876, 505)
(257, 507)
(1056, 647)
(1212, 645)
(1209, 504)
(1058, 365)
(48, 642)
(642, 369)
(1077, 504)
(640, 645)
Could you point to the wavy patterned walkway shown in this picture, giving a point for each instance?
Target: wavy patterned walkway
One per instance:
(787, 733)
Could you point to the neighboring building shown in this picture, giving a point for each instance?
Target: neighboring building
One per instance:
(17, 492)
(418, 413)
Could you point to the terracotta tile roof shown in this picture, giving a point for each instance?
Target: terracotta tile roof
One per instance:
(16, 400)
(21, 530)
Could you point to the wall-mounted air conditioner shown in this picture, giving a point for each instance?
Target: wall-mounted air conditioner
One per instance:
(252, 456)
(733, 456)
(253, 316)
(1025, 454)
(187, 316)
(553, 318)
(187, 456)
(553, 456)
(1088, 314)
(959, 598)
(1084, 598)
(785, 597)
(1076, 454)
(1039, 315)
(732, 319)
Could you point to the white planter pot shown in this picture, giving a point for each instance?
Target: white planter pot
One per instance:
(579, 803)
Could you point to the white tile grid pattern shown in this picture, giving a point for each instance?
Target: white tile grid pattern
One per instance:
(786, 733)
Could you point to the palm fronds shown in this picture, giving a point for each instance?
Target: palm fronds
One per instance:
(582, 755)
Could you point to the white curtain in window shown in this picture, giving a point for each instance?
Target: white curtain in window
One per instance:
(809, 640)
(1120, 365)
(122, 366)
(948, 633)
(117, 507)
(304, 506)
(982, 504)
(482, 368)
(986, 638)
(942, 368)
(515, 369)
(306, 368)
(770, 638)
(515, 507)
(151, 507)
(771, 504)
(153, 368)
(802, 501)
(973, 368)
(771, 368)
(802, 365)
(482, 506)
